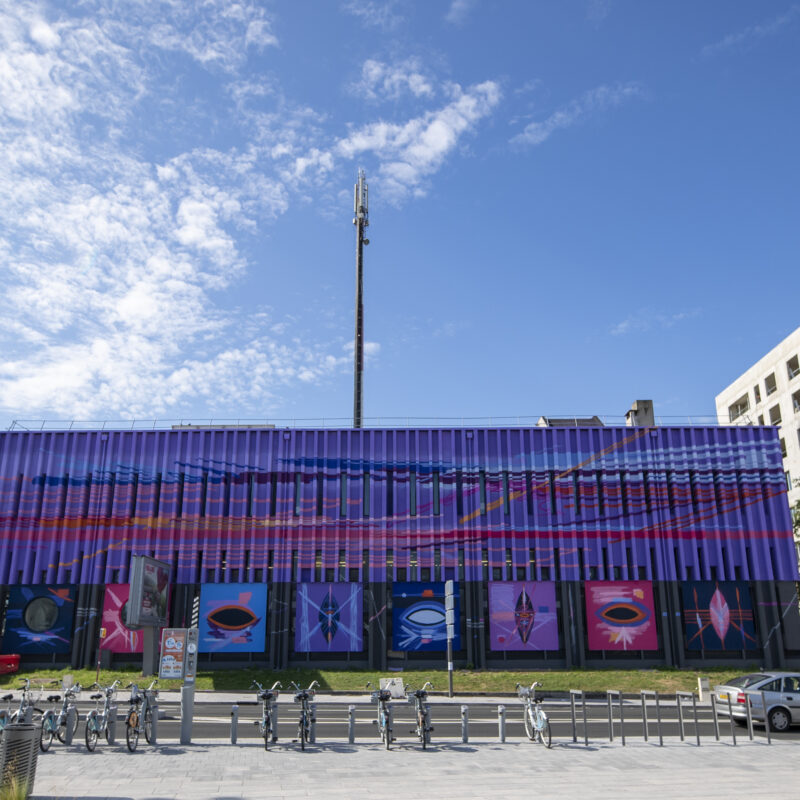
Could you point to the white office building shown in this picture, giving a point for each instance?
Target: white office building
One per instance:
(769, 394)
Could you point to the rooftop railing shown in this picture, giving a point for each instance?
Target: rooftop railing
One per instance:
(372, 422)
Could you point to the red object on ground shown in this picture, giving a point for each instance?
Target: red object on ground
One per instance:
(9, 664)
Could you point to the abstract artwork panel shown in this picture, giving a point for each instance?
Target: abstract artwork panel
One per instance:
(718, 615)
(233, 617)
(418, 617)
(115, 635)
(329, 618)
(522, 615)
(788, 610)
(620, 615)
(39, 619)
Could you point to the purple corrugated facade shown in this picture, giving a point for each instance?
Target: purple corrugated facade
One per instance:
(562, 503)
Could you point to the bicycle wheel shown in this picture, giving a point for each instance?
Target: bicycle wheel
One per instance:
(91, 731)
(301, 733)
(47, 732)
(543, 728)
(132, 729)
(388, 731)
(61, 731)
(422, 732)
(266, 730)
(530, 728)
(148, 726)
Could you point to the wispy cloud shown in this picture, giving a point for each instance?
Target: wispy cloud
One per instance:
(374, 13)
(409, 152)
(459, 11)
(382, 81)
(648, 319)
(753, 34)
(594, 101)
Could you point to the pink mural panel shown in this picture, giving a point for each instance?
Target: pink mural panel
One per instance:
(114, 634)
(620, 615)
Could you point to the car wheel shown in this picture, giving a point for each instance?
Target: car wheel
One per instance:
(779, 720)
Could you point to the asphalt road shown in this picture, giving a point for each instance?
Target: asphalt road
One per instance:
(213, 721)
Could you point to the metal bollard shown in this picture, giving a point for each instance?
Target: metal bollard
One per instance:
(658, 720)
(680, 713)
(234, 723)
(351, 724)
(610, 718)
(585, 722)
(501, 723)
(730, 719)
(572, 715)
(72, 718)
(274, 714)
(112, 725)
(714, 715)
(465, 724)
(766, 717)
(621, 720)
(154, 723)
(749, 716)
(696, 726)
(187, 713)
(644, 715)
(313, 736)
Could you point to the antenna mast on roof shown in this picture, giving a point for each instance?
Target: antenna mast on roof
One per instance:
(361, 221)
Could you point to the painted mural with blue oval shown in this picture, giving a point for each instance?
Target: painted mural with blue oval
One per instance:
(418, 617)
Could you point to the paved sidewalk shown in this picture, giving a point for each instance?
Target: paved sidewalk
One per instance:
(480, 769)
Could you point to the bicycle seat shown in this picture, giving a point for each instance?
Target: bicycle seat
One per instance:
(7, 697)
(266, 695)
(384, 695)
(421, 693)
(135, 700)
(53, 698)
(96, 696)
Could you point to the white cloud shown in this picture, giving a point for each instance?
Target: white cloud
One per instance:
(459, 10)
(596, 100)
(380, 81)
(411, 151)
(754, 33)
(648, 319)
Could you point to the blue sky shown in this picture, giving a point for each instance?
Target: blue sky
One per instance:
(572, 204)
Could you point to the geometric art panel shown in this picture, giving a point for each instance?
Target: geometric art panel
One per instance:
(718, 615)
(329, 618)
(233, 617)
(115, 635)
(620, 615)
(522, 615)
(418, 617)
(39, 619)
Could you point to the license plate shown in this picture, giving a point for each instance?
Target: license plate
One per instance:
(722, 696)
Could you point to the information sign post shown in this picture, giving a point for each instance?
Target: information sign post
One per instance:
(449, 606)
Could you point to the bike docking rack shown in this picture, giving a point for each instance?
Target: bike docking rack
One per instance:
(574, 696)
(645, 693)
(609, 697)
(679, 701)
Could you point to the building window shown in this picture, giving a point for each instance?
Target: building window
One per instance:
(783, 448)
(343, 495)
(792, 367)
(757, 394)
(775, 415)
(412, 493)
(741, 406)
(770, 384)
(436, 502)
(366, 494)
(788, 477)
(482, 487)
(506, 495)
(796, 401)
(760, 419)
(298, 487)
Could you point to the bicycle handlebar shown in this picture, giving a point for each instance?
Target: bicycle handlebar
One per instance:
(427, 684)
(276, 685)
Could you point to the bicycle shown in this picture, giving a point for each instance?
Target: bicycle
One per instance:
(27, 704)
(537, 725)
(384, 722)
(422, 713)
(54, 722)
(304, 696)
(96, 720)
(140, 715)
(268, 698)
(5, 713)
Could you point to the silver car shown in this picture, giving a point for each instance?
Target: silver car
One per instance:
(781, 692)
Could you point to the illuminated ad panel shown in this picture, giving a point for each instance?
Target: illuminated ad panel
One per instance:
(115, 635)
(620, 615)
(233, 617)
(329, 618)
(418, 617)
(522, 615)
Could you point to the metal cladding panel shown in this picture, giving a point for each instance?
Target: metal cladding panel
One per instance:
(522, 503)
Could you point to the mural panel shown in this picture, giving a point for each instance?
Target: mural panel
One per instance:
(418, 617)
(39, 619)
(115, 635)
(522, 615)
(233, 617)
(329, 618)
(718, 615)
(620, 615)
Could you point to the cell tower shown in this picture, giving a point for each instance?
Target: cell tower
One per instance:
(361, 221)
